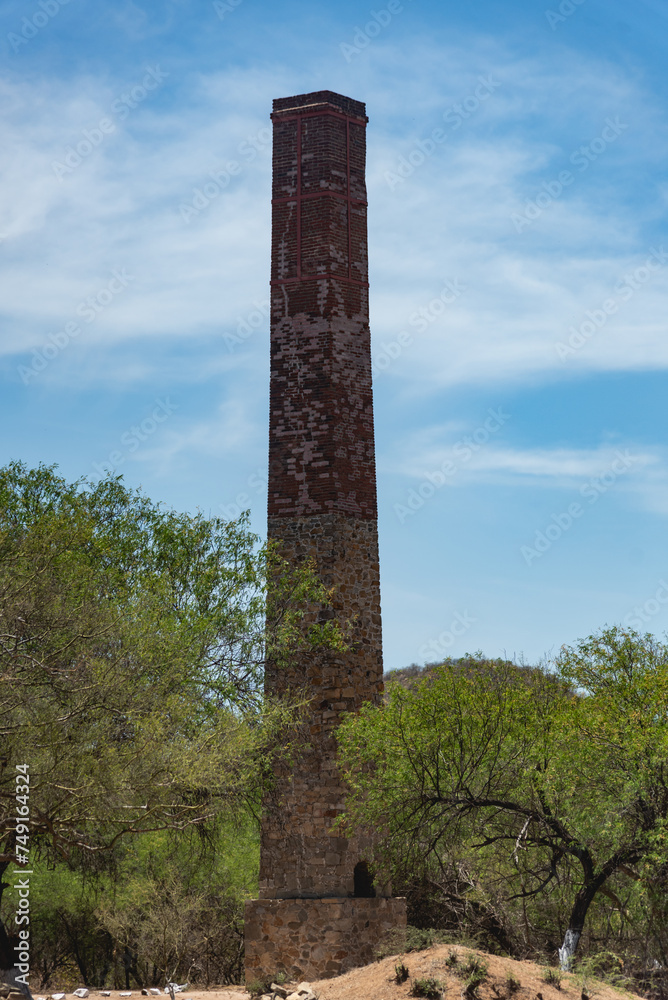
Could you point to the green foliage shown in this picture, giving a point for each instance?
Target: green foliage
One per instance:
(473, 971)
(133, 641)
(472, 966)
(427, 987)
(437, 743)
(605, 966)
(552, 977)
(401, 973)
(71, 947)
(175, 903)
(168, 896)
(419, 938)
(503, 785)
(621, 717)
(510, 801)
(407, 939)
(257, 987)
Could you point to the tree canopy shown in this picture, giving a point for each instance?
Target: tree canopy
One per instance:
(132, 645)
(537, 781)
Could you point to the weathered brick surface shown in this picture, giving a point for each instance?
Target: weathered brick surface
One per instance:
(321, 447)
(316, 938)
(322, 504)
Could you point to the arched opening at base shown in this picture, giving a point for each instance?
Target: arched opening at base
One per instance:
(363, 881)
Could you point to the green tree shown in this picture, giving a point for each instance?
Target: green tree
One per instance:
(537, 780)
(132, 646)
(160, 907)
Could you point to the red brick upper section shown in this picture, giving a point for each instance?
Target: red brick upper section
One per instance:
(321, 444)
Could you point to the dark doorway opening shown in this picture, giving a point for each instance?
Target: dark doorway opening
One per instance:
(363, 881)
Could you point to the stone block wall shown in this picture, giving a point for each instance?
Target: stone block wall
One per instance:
(302, 853)
(316, 938)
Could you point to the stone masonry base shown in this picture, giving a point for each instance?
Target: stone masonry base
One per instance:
(316, 938)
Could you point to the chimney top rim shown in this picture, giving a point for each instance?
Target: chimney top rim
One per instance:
(305, 103)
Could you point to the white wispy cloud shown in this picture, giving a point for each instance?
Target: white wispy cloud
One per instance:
(450, 218)
(638, 471)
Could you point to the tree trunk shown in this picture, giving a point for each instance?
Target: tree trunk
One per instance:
(586, 895)
(569, 947)
(573, 933)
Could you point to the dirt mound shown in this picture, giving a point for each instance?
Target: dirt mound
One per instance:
(504, 979)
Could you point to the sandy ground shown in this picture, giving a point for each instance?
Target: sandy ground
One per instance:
(377, 981)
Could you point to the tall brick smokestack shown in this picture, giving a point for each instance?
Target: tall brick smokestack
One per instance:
(322, 471)
(322, 503)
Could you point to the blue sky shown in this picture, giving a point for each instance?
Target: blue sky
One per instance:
(519, 283)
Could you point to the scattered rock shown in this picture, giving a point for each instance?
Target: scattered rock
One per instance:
(8, 990)
(82, 993)
(144, 993)
(125, 994)
(58, 996)
(280, 991)
(154, 992)
(105, 993)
